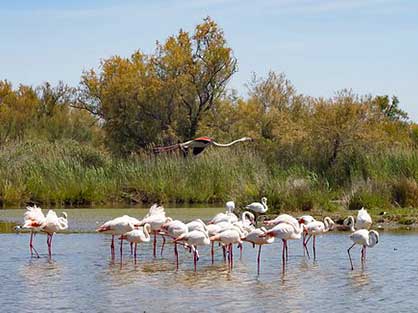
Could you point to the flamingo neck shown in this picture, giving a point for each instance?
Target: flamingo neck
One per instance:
(228, 144)
(147, 230)
(327, 222)
(372, 239)
(244, 216)
(351, 223)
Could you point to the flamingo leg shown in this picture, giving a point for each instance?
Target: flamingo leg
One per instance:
(112, 247)
(32, 248)
(287, 251)
(162, 246)
(224, 252)
(136, 245)
(232, 255)
(131, 244)
(240, 251)
(212, 252)
(30, 244)
(306, 246)
(49, 243)
(258, 259)
(314, 247)
(121, 248)
(349, 256)
(155, 245)
(303, 242)
(176, 254)
(195, 259)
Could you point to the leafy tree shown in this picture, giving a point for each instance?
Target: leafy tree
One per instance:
(162, 97)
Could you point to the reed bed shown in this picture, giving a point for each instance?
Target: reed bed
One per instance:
(70, 174)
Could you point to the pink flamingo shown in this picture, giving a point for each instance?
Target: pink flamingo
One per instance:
(254, 238)
(365, 238)
(285, 232)
(117, 227)
(194, 238)
(53, 224)
(229, 237)
(33, 220)
(138, 235)
(175, 229)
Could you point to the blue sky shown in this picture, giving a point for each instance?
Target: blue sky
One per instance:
(322, 46)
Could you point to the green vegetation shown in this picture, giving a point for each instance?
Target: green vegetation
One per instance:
(90, 144)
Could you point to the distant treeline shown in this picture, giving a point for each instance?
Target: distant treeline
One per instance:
(89, 144)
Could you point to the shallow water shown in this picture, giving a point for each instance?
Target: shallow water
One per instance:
(82, 278)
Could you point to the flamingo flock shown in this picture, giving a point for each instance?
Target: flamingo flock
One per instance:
(225, 229)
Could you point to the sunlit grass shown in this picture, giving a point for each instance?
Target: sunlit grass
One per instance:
(68, 173)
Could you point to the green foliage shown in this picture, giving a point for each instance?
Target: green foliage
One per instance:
(309, 153)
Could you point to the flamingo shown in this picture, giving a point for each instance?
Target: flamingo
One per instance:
(117, 227)
(254, 238)
(33, 220)
(228, 216)
(305, 219)
(364, 238)
(363, 220)
(156, 218)
(197, 224)
(257, 207)
(175, 229)
(194, 238)
(214, 229)
(282, 218)
(246, 223)
(314, 229)
(53, 224)
(138, 235)
(285, 232)
(230, 206)
(198, 145)
(229, 237)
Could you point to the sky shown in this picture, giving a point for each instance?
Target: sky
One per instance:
(369, 46)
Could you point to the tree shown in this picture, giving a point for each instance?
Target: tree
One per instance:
(200, 66)
(389, 108)
(162, 97)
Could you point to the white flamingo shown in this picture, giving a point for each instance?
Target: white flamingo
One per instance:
(33, 220)
(175, 229)
(285, 232)
(363, 220)
(194, 238)
(246, 223)
(229, 237)
(137, 235)
(365, 238)
(228, 216)
(282, 218)
(117, 227)
(257, 207)
(197, 224)
(254, 238)
(314, 229)
(156, 218)
(52, 225)
(305, 219)
(214, 229)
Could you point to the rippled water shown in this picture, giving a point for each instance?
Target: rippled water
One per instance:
(82, 278)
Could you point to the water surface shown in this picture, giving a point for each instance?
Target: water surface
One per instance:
(82, 277)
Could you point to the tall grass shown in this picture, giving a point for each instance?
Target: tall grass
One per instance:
(67, 173)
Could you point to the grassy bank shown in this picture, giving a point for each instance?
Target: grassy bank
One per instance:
(68, 173)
